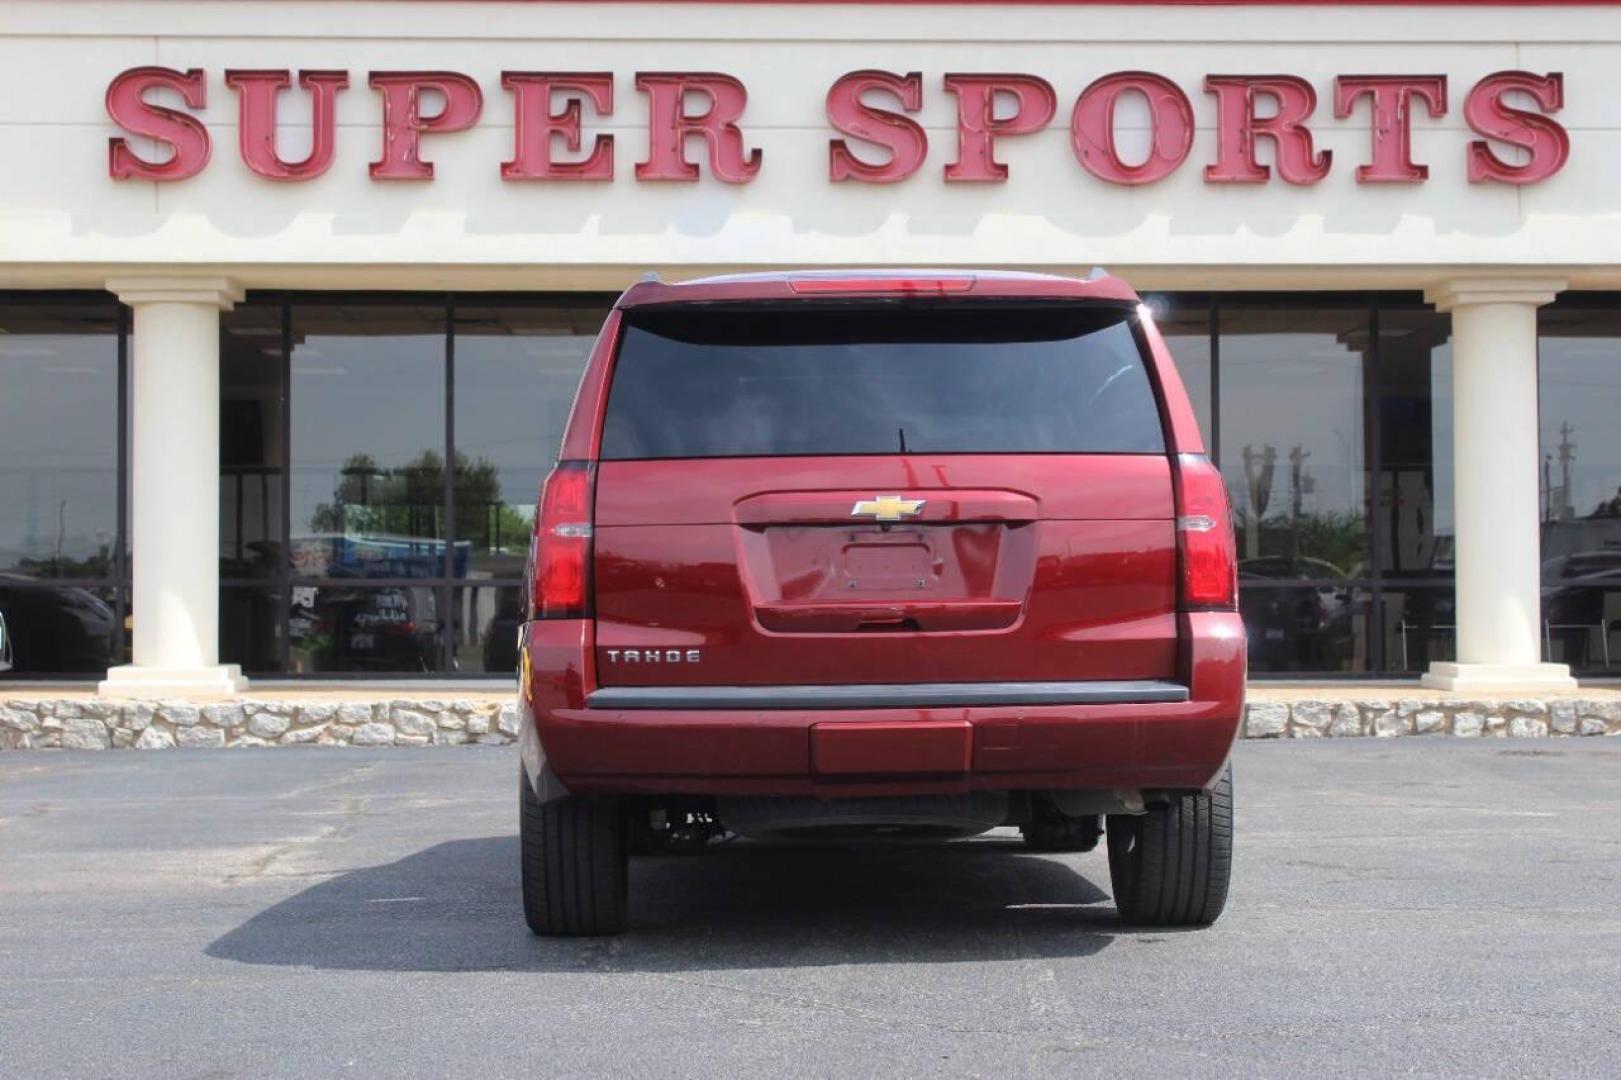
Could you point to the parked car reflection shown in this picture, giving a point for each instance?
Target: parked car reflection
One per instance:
(55, 630)
(1298, 615)
(1581, 608)
(339, 627)
(500, 637)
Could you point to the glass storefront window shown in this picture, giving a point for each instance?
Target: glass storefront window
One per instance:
(516, 373)
(250, 628)
(59, 630)
(368, 440)
(1413, 528)
(58, 439)
(346, 547)
(342, 627)
(1306, 626)
(253, 418)
(1581, 613)
(485, 628)
(1579, 383)
(1293, 437)
(334, 491)
(1419, 627)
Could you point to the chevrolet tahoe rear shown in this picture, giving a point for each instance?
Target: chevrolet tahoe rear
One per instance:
(847, 554)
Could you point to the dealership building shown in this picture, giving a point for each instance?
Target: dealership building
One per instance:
(294, 296)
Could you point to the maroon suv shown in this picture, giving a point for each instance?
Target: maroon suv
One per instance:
(843, 554)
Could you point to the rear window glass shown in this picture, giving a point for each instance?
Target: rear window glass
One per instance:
(919, 380)
(745, 381)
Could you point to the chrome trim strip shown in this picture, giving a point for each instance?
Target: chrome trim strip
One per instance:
(887, 695)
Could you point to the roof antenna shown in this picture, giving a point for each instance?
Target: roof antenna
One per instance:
(1097, 273)
(651, 277)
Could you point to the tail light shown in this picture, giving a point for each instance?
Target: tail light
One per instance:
(1204, 531)
(560, 553)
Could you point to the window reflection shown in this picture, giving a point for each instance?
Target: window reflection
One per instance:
(517, 370)
(345, 627)
(1579, 383)
(59, 438)
(1419, 627)
(1293, 437)
(486, 628)
(57, 630)
(1413, 505)
(1346, 487)
(252, 418)
(368, 438)
(250, 628)
(1309, 626)
(1581, 611)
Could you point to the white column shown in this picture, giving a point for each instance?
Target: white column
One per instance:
(174, 488)
(1494, 396)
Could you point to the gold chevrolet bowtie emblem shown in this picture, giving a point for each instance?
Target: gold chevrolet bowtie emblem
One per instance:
(887, 508)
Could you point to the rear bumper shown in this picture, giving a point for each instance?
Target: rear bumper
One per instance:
(864, 750)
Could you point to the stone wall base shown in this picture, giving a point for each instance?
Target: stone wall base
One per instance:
(89, 723)
(1307, 718)
(94, 724)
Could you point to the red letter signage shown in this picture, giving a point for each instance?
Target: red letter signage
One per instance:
(1545, 141)
(669, 125)
(978, 125)
(879, 138)
(535, 125)
(256, 126)
(1392, 121)
(1171, 127)
(902, 136)
(1237, 128)
(128, 108)
(403, 122)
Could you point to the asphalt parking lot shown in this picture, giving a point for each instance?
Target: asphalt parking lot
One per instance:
(1439, 907)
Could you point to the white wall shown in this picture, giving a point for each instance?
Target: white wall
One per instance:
(63, 221)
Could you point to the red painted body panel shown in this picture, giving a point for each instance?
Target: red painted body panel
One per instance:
(1033, 567)
(762, 752)
(996, 487)
(908, 748)
(1098, 602)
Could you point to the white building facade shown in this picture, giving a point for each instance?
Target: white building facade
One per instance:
(293, 295)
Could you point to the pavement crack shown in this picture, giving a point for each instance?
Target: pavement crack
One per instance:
(338, 781)
(350, 806)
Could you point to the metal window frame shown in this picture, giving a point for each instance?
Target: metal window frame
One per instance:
(447, 634)
(121, 554)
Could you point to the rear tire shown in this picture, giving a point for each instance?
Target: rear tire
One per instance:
(1171, 866)
(575, 868)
